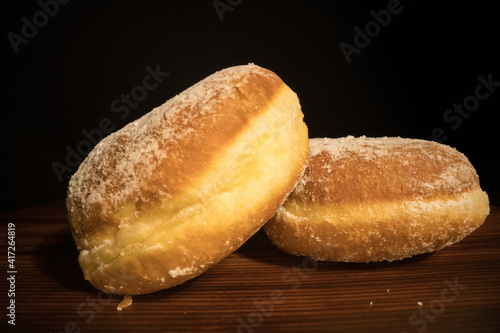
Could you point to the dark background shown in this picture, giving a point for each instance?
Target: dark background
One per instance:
(88, 54)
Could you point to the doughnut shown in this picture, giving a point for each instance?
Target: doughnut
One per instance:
(367, 199)
(174, 192)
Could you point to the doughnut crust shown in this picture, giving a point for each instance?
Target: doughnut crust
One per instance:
(171, 194)
(374, 199)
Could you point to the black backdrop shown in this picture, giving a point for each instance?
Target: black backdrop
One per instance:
(67, 62)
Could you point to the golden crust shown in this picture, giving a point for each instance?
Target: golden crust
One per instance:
(351, 170)
(177, 190)
(373, 199)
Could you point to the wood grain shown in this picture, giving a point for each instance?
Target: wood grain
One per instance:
(257, 289)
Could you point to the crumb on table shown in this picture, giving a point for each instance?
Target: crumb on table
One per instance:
(125, 303)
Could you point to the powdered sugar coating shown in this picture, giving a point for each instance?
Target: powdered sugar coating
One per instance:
(353, 169)
(148, 142)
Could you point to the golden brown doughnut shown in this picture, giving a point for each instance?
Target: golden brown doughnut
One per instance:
(174, 192)
(374, 199)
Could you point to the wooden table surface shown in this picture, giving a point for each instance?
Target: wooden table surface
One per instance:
(256, 289)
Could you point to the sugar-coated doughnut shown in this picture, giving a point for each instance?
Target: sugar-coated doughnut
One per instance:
(174, 192)
(374, 199)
